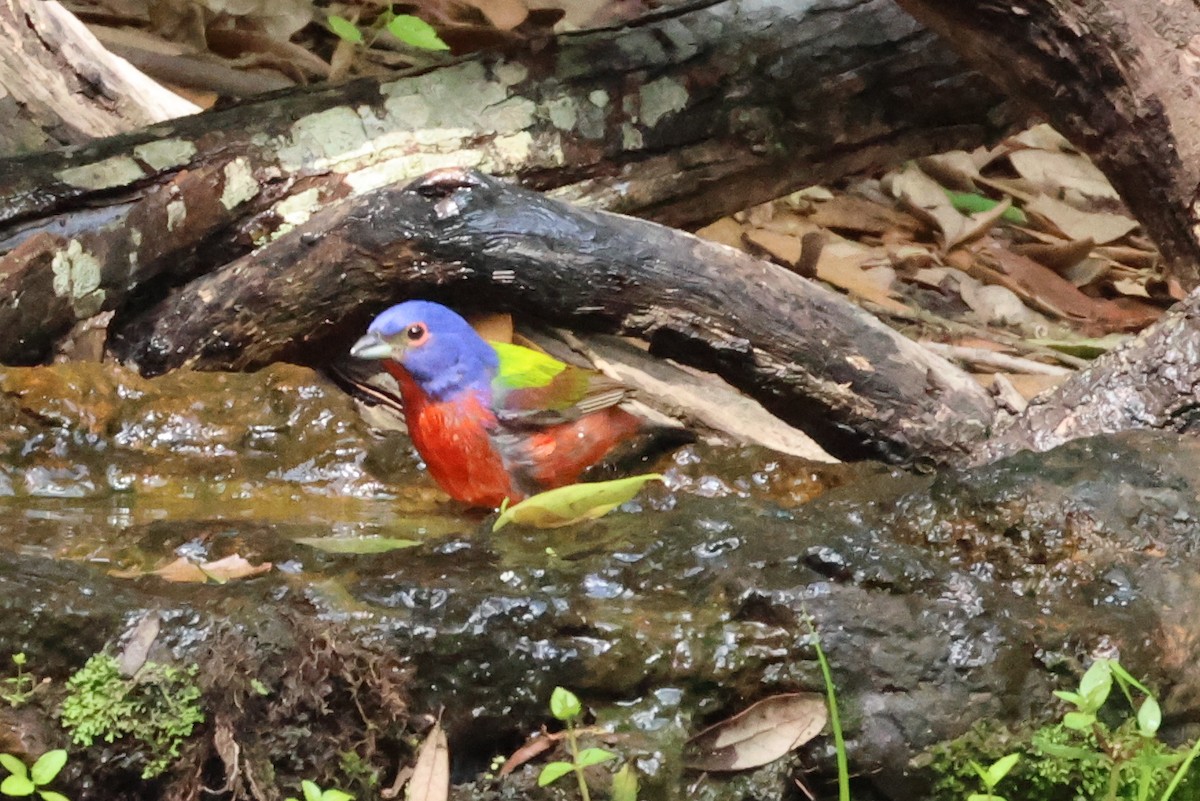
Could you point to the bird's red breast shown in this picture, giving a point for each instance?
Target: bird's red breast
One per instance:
(477, 462)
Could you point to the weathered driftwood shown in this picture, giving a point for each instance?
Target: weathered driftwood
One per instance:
(810, 356)
(681, 117)
(60, 86)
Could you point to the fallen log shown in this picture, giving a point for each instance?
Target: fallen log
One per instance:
(808, 355)
(681, 117)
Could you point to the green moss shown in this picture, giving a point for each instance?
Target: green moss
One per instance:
(158, 707)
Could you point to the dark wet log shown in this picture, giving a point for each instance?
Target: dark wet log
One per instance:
(807, 354)
(1116, 78)
(59, 86)
(681, 117)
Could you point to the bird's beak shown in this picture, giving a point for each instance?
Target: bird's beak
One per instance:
(371, 346)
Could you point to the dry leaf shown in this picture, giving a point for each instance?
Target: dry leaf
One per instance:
(853, 213)
(534, 746)
(761, 734)
(782, 248)
(1072, 223)
(841, 264)
(186, 571)
(1059, 255)
(504, 14)
(431, 775)
(1054, 171)
(925, 197)
(956, 169)
(725, 231)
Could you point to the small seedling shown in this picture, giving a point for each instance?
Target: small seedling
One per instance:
(413, 31)
(313, 792)
(835, 718)
(16, 690)
(24, 781)
(565, 706)
(991, 776)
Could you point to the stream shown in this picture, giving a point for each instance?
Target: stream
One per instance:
(371, 604)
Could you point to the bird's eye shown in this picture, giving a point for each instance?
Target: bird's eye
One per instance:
(415, 332)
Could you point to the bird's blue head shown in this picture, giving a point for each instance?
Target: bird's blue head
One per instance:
(437, 347)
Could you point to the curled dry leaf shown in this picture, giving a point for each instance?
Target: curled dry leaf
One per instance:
(187, 571)
(431, 775)
(1072, 223)
(760, 734)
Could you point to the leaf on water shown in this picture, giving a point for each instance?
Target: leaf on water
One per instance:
(760, 734)
(358, 545)
(431, 775)
(187, 571)
(573, 503)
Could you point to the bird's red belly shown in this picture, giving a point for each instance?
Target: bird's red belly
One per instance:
(453, 441)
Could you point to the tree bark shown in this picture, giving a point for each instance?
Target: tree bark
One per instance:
(681, 118)
(807, 354)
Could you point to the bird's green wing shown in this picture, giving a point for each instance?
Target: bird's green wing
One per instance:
(536, 389)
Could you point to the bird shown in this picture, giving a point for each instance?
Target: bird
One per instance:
(493, 420)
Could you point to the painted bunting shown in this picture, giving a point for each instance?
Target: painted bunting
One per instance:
(493, 420)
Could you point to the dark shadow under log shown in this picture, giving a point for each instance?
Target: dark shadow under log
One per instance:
(819, 362)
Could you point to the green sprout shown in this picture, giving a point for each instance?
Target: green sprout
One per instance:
(16, 690)
(23, 781)
(413, 31)
(565, 706)
(313, 792)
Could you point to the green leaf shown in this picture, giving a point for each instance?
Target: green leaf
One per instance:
(50, 795)
(13, 765)
(593, 756)
(18, 658)
(1071, 698)
(1149, 717)
(564, 704)
(1096, 684)
(47, 766)
(1079, 721)
(358, 545)
(1083, 347)
(343, 29)
(625, 784)
(972, 203)
(312, 792)
(16, 785)
(981, 772)
(553, 772)
(985, 797)
(336, 795)
(573, 503)
(1000, 768)
(416, 32)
